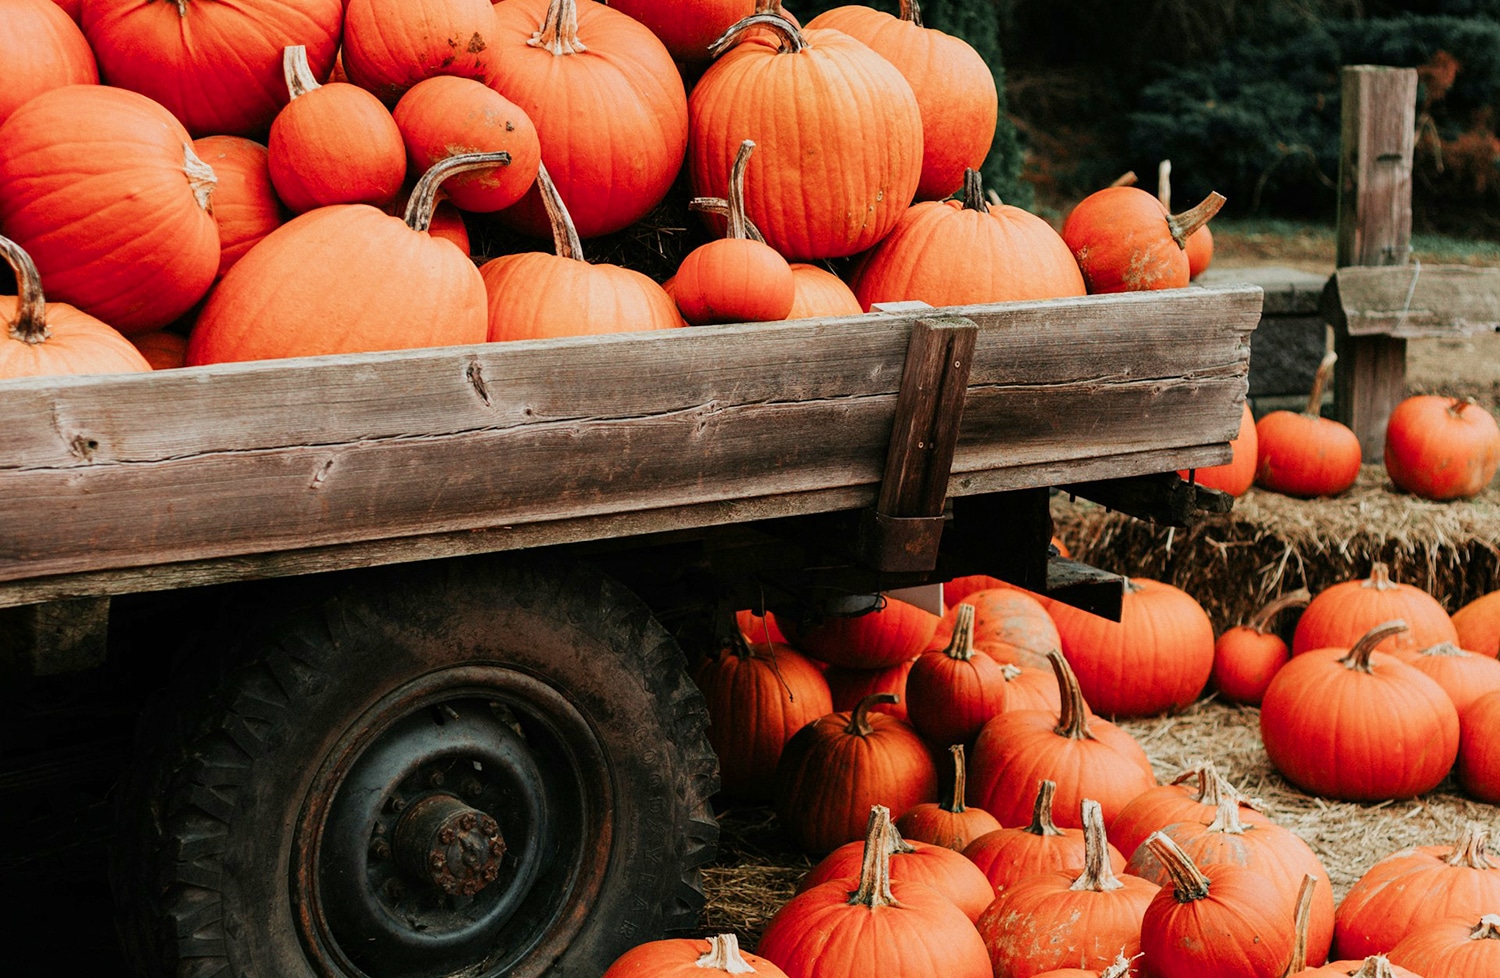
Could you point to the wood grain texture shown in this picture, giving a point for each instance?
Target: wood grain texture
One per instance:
(378, 457)
(1410, 301)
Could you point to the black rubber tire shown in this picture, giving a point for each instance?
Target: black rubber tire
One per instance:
(214, 821)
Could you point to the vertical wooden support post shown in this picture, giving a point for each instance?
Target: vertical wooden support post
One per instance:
(1374, 228)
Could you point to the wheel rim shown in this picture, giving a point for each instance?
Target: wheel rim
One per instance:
(456, 827)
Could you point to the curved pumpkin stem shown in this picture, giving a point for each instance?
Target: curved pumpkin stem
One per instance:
(1359, 657)
(1301, 924)
(955, 802)
(1041, 811)
(720, 207)
(859, 717)
(1164, 183)
(1460, 405)
(1188, 881)
(792, 41)
(30, 325)
(565, 240)
(961, 645)
(559, 33)
(1261, 622)
(875, 869)
(1126, 179)
(724, 955)
(1314, 407)
(1098, 875)
(423, 199)
(1183, 225)
(973, 192)
(1469, 851)
(297, 71)
(737, 219)
(911, 12)
(896, 842)
(1073, 721)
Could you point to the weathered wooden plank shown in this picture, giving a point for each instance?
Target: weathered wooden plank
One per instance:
(1374, 228)
(204, 465)
(1413, 300)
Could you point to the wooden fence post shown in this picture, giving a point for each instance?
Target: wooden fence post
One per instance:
(1374, 228)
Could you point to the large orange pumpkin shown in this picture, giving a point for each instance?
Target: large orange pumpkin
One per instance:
(347, 279)
(390, 45)
(1441, 448)
(838, 180)
(102, 188)
(246, 207)
(533, 295)
(608, 105)
(955, 89)
(43, 338)
(873, 636)
(214, 65)
(1478, 767)
(957, 252)
(1341, 613)
(44, 50)
(308, 150)
(952, 692)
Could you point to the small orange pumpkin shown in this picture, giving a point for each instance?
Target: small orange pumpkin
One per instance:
(446, 115)
(1306, 454)
(1441, 448)
(1247, 656)
(1126, 241)
(819, 292)
(949, 823)
(246, 207)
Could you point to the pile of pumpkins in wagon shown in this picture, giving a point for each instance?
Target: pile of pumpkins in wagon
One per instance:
(186, 183)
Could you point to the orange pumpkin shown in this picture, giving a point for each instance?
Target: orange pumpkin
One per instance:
(102, 188)
(43, 338)
(1126, 241)
(737, 278)
(44, 49)
(849, 686)
(216, 66)
(689, 957)
(874, 635)
(398, 286)
(1200, 244)
(952, 692)
(1246, 657)
(1305, 454)
(1465, 676)
(1193, 795)
(446, 115)
(1478, 624)
(1341, 613)
(958, 252)
(246, 207)
(1454, 947)
(1009, 855)
(954, 87)
(1478, 767)
(163, 348)
(819, 292)
(1238, 474)
(308, 151)
(687, 28)
(608, 105)
(539, 296)
(949, 822)
(825, 192)
(1441, 448)
(390, 45)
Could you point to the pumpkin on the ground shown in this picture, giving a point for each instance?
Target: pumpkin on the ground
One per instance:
(1465, 676)
(1009, 855)
(1246, 657)
(246, 207)
(873, 635)
(1478, 767)
(390, 45)
(1238, 474)
(948, 822)
(1194, 794)
(953, 692)
(1341, 613)
(687, 957)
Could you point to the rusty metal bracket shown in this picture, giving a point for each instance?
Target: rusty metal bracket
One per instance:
(902, 532)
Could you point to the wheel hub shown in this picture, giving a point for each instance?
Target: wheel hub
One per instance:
(444, 842)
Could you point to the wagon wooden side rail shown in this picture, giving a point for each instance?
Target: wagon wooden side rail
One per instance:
(120, 484)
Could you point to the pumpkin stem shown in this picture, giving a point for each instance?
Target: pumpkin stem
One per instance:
(859, 717)
(1098, 875)
(297, 71)
(1447, 649)
(1314, 407)
(1183, 225)
(565, 240)
(792, 41)
(1205, 774)
(1164, 183)
(973, 192)
(423, 199)
(1359, 656)
(875, 869)
(30, 325)
(961, 645)
(1488, 929)
(1301, 923)
(737, 219)
(1120, 968)
(720, 207)
(1011, 671)
(724, 955)
(182, 7)
(1214, 788)
(1469, 851)
(955, 802)
(897, 842)
(201, 178)
(1041, 811)
(1380, 578)
(1188, 881)
(1126, 179)
(559, 33)
(911, 12)
(1460, 405)
(1073, 721)
(1375, 966)
(1261, 622)
(1227, 811)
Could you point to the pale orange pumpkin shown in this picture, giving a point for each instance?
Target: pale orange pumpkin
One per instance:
(390, 45)
(539, 296)
(246, 207)
(446, 115)
(44, 49)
